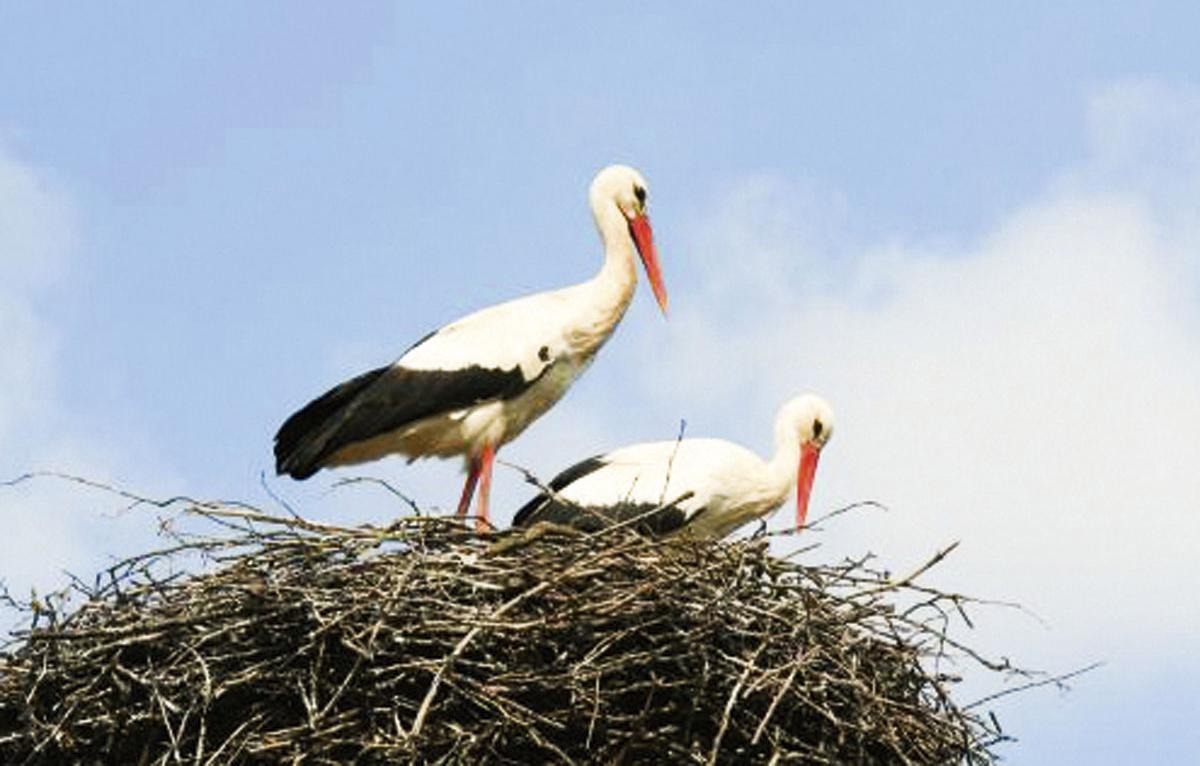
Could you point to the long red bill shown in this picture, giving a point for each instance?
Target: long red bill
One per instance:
(644, 239)
(804, 481)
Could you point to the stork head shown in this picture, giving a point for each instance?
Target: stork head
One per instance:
(622, 187)
(808, 420)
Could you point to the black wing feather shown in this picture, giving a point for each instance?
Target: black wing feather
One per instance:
(653, 520)
(570, 475)
(545, 507)
(381, 401)
(560, 482)
(298, 429)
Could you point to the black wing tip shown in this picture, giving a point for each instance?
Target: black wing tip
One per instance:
(287, 462)
(299, 473)
(524, 515)
(543, 506)
(304, 439)
(652, 520)
(570, 475)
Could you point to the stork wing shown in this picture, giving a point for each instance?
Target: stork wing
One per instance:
(653, 520)
(493, 354)
(381, 401)
(621, 486)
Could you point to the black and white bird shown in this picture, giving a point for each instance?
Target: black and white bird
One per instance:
(704, 487)
(477, 383)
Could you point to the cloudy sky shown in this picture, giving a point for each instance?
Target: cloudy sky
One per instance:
(974, 230)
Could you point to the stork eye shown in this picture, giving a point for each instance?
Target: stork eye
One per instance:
(640, 193)
(817, 428)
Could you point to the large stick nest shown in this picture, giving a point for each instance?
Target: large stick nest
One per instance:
(421, 643)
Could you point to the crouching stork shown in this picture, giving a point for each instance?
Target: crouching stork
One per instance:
(477, 383)
(703, 487)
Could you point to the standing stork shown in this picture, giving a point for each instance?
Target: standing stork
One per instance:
(477, 383)
(704, 487)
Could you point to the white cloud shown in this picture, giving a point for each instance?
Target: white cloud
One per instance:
(48, 527)
(36, 233)
(24, 362)
(37, 226)
(1035, 394)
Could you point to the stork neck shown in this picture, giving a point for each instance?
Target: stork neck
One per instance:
(781, 471)
(618, 275)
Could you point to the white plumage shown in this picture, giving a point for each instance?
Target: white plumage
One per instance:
(708, 487)
(480, 381)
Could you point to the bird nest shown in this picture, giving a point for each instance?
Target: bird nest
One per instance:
(297, 642)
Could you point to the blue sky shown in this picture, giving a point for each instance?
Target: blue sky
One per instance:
(971, 227)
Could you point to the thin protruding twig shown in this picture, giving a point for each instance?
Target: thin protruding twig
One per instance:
(1059, 681)
(387, 486)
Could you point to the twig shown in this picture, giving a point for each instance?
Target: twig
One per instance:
(1055, 680)
(412, 504)
(910, 577)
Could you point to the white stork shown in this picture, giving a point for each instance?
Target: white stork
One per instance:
(477, 383)
(704, 487)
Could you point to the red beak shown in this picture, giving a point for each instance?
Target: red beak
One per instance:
(804, 480)
(644, 239)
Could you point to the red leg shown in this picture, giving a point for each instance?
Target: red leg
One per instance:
(483, 525)
(469, 488)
